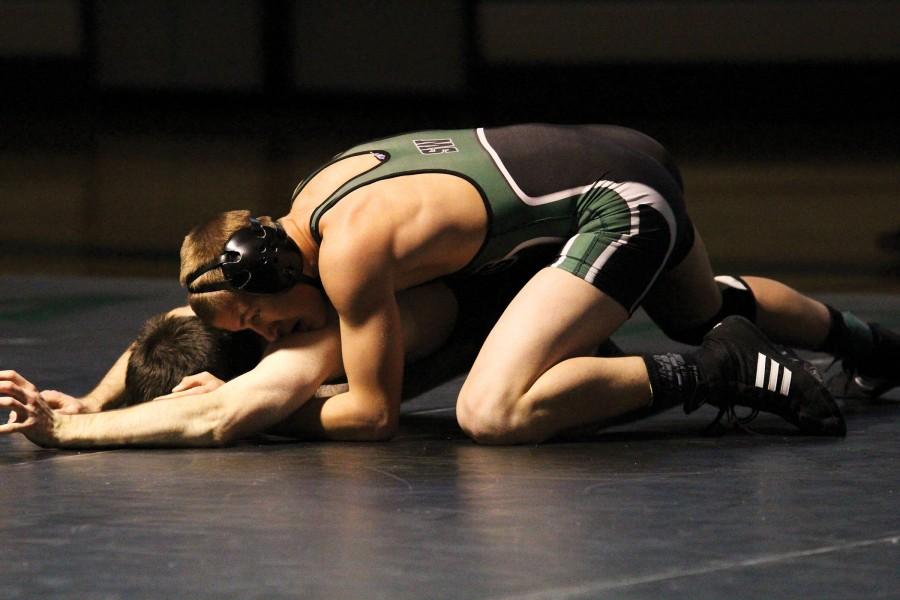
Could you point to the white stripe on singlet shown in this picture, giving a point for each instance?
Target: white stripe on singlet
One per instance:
(529, 200)
(635, 195)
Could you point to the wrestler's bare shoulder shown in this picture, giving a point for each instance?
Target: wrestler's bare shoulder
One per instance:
(328, 180)
(427, 224)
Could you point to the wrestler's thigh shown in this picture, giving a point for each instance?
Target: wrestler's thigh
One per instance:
(687, 293)
(555, 316)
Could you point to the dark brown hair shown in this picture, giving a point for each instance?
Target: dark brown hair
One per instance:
(169, 348)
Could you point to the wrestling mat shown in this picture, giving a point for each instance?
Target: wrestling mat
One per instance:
(649, 510)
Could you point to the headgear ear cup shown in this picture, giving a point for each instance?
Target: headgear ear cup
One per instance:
(257, 259)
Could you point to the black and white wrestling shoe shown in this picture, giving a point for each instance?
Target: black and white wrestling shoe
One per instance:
(741, 367)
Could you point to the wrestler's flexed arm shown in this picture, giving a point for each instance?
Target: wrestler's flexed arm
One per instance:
(359, 283)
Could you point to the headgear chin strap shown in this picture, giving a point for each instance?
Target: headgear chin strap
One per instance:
(258, 259)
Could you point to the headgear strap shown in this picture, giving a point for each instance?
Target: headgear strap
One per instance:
(258, 259)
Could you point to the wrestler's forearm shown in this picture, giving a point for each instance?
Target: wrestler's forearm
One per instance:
(246, 405)
(110, 390)
(163, 423)
(210, 420)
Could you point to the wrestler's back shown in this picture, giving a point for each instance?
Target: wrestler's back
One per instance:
(467, 201)
(437, 222)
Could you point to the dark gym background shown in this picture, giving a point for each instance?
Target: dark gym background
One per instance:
(125, 122)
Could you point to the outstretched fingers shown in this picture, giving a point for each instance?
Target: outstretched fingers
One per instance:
(17, 410)
(33, 418)
(16, 378)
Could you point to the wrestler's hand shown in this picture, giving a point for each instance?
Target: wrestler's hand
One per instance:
(201, 383)
(64, 403)
(29, 414)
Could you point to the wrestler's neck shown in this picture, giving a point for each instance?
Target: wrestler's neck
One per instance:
(304, 240)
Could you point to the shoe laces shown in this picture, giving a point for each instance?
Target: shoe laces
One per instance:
(734, 420)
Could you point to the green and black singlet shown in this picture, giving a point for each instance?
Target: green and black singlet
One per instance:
(609, 198)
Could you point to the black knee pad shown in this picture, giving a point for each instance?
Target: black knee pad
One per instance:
(737, 299)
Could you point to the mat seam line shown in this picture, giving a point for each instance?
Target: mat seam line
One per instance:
(560, 593)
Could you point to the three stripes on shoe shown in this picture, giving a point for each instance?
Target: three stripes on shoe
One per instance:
(774, 370)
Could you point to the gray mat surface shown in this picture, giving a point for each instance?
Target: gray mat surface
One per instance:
(649, 510)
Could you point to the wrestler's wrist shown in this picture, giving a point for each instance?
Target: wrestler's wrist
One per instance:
(60, 430)
(92, 403)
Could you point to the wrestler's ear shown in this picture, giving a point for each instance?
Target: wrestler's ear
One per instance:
(221, 310)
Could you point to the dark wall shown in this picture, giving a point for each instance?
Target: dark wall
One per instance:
(124, 122)
(674, 58)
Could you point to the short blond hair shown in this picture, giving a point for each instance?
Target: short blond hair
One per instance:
(201, 246)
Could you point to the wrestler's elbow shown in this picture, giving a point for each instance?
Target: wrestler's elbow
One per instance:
(383, 427)
(216, 434)
(241, 412)
(205, 431)
(375, 424)
(221, 435)
(222, 424)
(229, 429)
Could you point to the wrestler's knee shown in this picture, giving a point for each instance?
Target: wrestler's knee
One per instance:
(492, 415)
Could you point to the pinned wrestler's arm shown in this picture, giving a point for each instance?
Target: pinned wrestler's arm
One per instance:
(282, 382)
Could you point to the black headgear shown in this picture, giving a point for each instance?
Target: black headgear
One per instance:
(258, 259)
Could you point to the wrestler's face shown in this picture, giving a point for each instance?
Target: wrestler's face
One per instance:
(273, 316)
